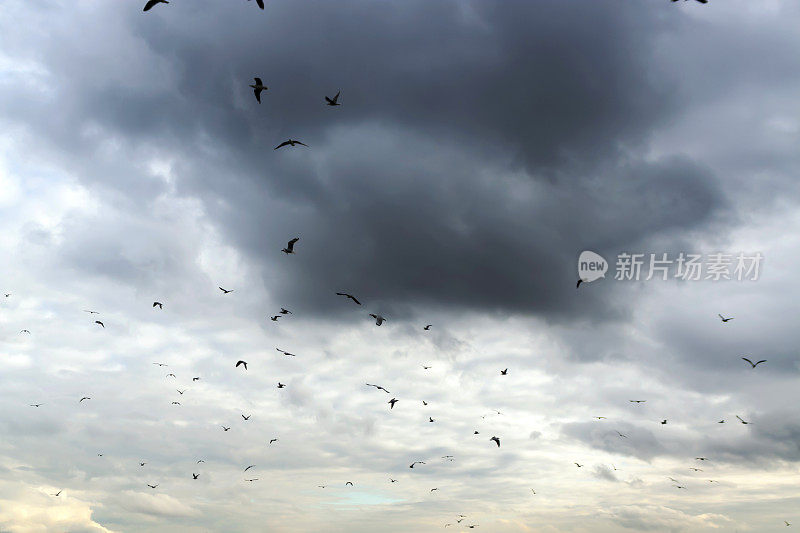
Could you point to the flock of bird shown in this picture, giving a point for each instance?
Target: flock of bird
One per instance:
(258, 88)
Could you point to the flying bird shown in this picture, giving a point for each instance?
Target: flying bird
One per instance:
(637, 401)
(426, 328)
(740, 420)
(424, 402)
(496, 440)
(334, 100)
(257, 88)
(416, 463)
(285, 311)
(600, 417)
(752, 364)
(281, 385)
(621, 435)
(724, 319)
(349, 483)
(170, 374)
(151, 3)
(244, 363)
(159, 304)
(176, 403)
(578, 465)
(58, 493)
(152, 486)
(664, 421)
(721, 421)
(273, 440)
(254, 479)
(701, 458)
(225, 291)
(433, 490)
(84, 398)
(88, 311)
(200, 461)
(261, 5)
(290, 142)
(181, 391)
(290, 246)
(36, 404)
(426, 367)
(98, 322)
(195, 476)
(160, 364)
(284, 352)
(430, 419)
(695, 469)
(249, 467)
(350, 296)
(142, 464)
(25, 331)
(392, 480)
(246, 417)
(392, 402)
(378, 319)
(504, 372)
(225, 428)
(195, 379)
(275, 318)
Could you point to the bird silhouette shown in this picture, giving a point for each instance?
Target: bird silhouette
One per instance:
(275, 318)
(290, 142)
(578, 465)
(181, 391)
(98, 322)
(740, 420)
(285, 311)
(350, 296)
(195, 476)
(281, 385)
(752, 364)
(378, 319)
(496, 440)
(392, 402)
(416, 463)
(225, 291)
(170, 375)
(249, 467)
(84, 398)
(151, 3)
(243, 363)
(25, 331)
(225, 428)
(723, 318)
(290, 246)
(159, 304)
(254, 479)
(349, 483)
(176, 403)
(152, 486)
(58, 493)
(430, 419)
(246, 417)
(637, 401)
(333, 101)
(284, 352)
(504, 372)
(258, 86)
(664, 421)
(36, 404)
(260, 4)
(160, 364)
(273, 440)
(426, 328)
(91, 312)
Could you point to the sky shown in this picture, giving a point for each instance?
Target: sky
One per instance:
(481, 147)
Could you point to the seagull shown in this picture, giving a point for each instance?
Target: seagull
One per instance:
(225, 291)
(200, 461)
(25, 331)
(392, 480)
(426, 328)
(98, 322)
(476, 432)
(254, 479)
(7, 294)
(88, 311)
(787, 523)
(322, 486)
(350, 296)
(195, 379)
(273, 440)
(426, 367)
(159, 304)
(151, 3)
(36, 404)
(149, 485)
(241, 363)
(160, 364)
(579, 283)
(290, 142)
(249, 467)
(176, 403)
(84, 398)
(246, 417)
(700, 458)
(275, 318)
(740, 420)
(181, 391)
(753, 365)
(496, 440)
(430, 419)
(600, 417)
(679, 487)
(142, 464)
(258, 87)
(290, 246)
(378, 319)
(721, 421)
(285, 311)
(416, 463)
(504, 372)
(433, 490)
(424, 402)
(170, 374)
(392, 402)
(225, 429)
(334, 100)
(637, 401)
(713, 481)
(664, 421)
(349, 483)
(695, 469)
(673, 479)
(195, 476)
(281, 385)
(578, 465)
(723, 318)
(58, 493)
(621, 435)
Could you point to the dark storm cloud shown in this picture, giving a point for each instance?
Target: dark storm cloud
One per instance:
(478, 151)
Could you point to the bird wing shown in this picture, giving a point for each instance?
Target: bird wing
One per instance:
(260, 3)
(354, 299)
(748, 360)
(759, 362)
(257, 92)
(284, 143)
(150, 4)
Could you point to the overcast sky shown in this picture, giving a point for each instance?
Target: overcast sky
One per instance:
(480, 147)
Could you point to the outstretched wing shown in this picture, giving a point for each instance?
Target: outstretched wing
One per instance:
(749, 361)
(260, 3)
(281, 145)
